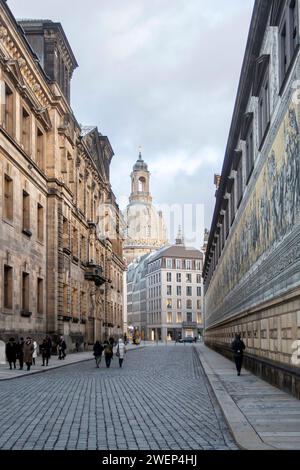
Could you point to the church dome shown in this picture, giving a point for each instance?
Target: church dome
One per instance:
(140, 165)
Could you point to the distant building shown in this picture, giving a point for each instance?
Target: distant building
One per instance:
(252, 267)
(146, 230)
(165, 293)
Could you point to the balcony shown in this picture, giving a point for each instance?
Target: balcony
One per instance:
(94, 273)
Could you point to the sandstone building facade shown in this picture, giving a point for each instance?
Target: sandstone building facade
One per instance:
(252, 267)
(61, 258)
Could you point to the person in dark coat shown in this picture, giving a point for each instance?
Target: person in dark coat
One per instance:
(46, 351)
(98, 350)
(108, 353)
(28, 352)
(238, 347)
(20, 352)
(11, 353)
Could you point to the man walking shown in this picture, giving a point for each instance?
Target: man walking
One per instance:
(98, 350)
(20, 352)
(108, 354)
(11, 353)
(238, 347)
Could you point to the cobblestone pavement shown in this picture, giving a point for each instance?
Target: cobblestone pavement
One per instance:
(160, 399)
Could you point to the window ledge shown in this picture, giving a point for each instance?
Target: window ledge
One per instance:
(8, 221)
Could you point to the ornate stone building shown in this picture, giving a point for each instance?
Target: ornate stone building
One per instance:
(61, 260)
(146, 231)
(252, 267)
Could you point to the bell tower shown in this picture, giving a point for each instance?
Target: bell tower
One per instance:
(140, 182)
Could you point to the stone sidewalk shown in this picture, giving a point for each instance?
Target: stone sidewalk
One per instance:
(54, 363)
(259, 415)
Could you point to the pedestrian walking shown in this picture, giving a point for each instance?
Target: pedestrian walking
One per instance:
(108, 353)
(238, 347)
(20, 352)
(11, 353)
(46, 351)
(121, 350)
(28, 352)
(62, 348)
(98, 350)
(35, 352)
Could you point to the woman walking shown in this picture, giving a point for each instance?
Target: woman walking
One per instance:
(28, 352)
(121, 350)
(35, 352)
(98, 350)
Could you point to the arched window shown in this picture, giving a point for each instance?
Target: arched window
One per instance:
(142, 185)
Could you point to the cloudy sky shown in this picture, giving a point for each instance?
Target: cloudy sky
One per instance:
(158, 73)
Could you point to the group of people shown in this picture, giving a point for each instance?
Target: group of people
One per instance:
(26, 351)
(107, 348)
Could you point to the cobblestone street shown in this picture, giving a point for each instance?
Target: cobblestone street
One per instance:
(159, 400)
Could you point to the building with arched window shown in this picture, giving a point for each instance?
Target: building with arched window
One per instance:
(146, 230)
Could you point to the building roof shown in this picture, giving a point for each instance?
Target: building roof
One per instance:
(178, 251)
(140, 164)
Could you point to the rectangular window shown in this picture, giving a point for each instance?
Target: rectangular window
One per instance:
(178, 264)
(40, 296)
(189, 317)
(26, 212)
(199, 318)
(189, 304)
(264, 107)
(169, 277)
(169, 303)
(169, 317)
(198, 304)
(25, 130)
(25, 292)
(8, 198)
(66, 242)
(169, 290)
(9, 110)
(75, 303)
(179, 290)
(198, 291)
(198, 265)
(179, 317)
(189, 278)
(240, 182)
(40, 223)
(198, 278)
(179, 303)
(178, 277)
(249, 152)
(189, 291)
(288, 37)
(188, 264)
(40, 158)
(8, 287)
(83, 250)
(232, 203)
(75, 243)
(169, 263)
